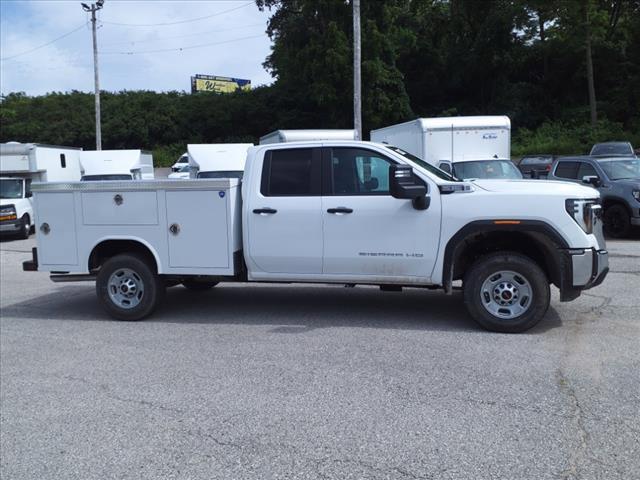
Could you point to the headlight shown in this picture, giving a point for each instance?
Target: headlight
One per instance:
(580, 211)
(636, 194)
(8, 212)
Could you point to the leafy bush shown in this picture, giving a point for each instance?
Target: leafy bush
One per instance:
(567, 138)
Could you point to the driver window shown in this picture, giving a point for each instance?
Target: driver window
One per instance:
(359, 172)
(586, 170)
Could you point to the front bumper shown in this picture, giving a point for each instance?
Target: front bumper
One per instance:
(583, 269)
(10, 225)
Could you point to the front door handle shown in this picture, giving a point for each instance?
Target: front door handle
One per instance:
(340, 210)
(265, 211)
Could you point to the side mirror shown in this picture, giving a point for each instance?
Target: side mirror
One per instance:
(404, 185)
(592, 180)
(28, 195)
(445, 167)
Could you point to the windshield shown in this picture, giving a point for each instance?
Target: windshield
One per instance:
(617, 148)
(486, 169)
(536, 160)
(421, 163)
(622, 168)
(221, 174)
(91, 178)
(10, 188)
(183, 159)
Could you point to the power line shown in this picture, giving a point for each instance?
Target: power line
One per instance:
(178, 22)
(179, 49)
(45, 44)
(131, 42)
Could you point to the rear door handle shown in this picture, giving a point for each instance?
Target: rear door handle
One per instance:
(265, 211)
(340, 210)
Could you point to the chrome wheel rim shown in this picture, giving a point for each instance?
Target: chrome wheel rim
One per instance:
(126, 288)
(506, 294)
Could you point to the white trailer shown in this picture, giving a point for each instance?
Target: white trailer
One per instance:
(445, 142)
(116, 165)
(40, 163)
(217, 160)
(284, 136)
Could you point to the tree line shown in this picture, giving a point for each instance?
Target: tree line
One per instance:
(567, 73)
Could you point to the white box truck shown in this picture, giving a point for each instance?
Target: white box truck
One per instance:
(468, 147)
(23, 163)
(336, 212)
(116, 165)
(283, 136)
(217, 160)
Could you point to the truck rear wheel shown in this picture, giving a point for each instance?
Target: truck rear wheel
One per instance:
(506, 292)
(128, 287)
(198, 286)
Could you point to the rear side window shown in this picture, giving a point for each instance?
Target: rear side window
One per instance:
(567, 170)
(291, 172)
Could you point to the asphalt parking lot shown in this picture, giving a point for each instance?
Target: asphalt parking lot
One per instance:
(270, 382)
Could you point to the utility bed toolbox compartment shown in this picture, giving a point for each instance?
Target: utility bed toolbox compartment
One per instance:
(190, 227)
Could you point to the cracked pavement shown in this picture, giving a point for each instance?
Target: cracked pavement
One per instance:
(288, 382)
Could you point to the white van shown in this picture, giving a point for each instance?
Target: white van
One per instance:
(116, 165)
(217, 160)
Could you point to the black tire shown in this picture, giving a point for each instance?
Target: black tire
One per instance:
(617, 223)
(198, 286)
(138, 271)
(25, 227)
(490, 268)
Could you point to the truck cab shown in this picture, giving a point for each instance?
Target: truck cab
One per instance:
(16, 206)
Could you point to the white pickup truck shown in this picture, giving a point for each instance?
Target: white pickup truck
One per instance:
(338, 212)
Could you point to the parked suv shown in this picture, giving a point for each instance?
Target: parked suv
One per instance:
(610, 149)
(536, 166)
(617, 179)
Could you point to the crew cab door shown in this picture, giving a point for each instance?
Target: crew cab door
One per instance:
(283, 216)
(367, 232)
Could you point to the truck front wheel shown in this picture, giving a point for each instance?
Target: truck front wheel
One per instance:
(25, 227)
(506, 292)
(128, 287)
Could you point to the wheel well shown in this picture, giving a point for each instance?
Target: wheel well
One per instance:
(109, 248)
(537, 246)
(610, 202)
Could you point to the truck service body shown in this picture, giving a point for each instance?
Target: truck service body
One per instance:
(341, 212)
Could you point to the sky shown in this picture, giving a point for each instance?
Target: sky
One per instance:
(138, 43)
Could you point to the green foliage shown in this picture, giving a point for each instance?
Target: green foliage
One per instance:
(165, 156)
(522, 58)
(562, 138)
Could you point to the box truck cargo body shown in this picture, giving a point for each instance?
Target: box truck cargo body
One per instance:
(451, 138)
(41, 163)
(284, 136)
(116, 165)
(217, 160)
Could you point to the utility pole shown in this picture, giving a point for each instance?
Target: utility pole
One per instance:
(357, 84)
(93, 9)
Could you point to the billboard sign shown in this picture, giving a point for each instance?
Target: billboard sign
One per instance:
(213, 83)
